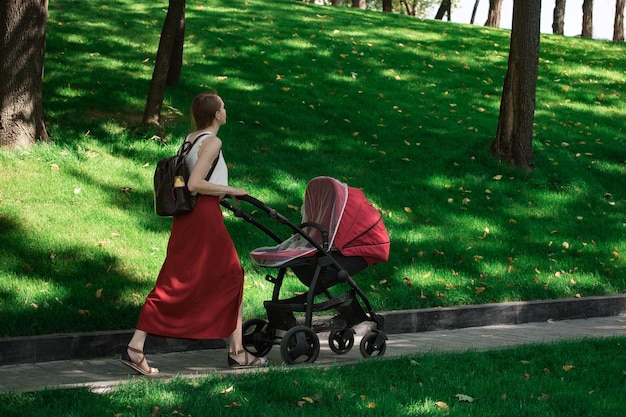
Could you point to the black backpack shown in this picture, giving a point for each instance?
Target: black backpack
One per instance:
(171, 195)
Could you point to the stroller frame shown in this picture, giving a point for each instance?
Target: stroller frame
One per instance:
(298, 339)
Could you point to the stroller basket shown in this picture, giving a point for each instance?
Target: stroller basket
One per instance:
(350, 313)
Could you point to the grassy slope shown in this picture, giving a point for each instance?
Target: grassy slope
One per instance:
(402, 108)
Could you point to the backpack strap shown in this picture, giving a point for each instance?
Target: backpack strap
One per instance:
(208, 176)
(186, 147)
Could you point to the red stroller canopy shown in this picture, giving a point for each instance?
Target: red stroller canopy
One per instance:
(354, 225)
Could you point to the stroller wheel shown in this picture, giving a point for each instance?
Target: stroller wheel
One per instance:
(300, 345)
(373, 344)
(341, 341)
(258, 337)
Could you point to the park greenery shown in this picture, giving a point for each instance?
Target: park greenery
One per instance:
(400, 107)
(565, 379)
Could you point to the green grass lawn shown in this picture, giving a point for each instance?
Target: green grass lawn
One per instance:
(402, 108)
(584, 378)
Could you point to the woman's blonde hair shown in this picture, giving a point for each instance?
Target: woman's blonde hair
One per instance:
(203, 109)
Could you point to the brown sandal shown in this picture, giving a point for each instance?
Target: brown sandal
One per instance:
(249, 360)
(136, 366)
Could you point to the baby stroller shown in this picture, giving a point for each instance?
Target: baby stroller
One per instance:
(341, 234)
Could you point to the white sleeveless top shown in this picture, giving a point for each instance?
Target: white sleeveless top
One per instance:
(220, 173)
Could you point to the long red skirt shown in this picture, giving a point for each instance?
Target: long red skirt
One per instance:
(199, 289)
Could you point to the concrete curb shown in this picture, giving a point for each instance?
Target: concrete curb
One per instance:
(414, 321)
(56, 347)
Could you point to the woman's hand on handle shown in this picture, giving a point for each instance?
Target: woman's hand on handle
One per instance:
(236, 192)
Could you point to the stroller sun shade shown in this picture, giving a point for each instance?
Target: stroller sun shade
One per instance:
(355, 227)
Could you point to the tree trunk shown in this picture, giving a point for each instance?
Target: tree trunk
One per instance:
(513, 142)
(176, 60)
(587, 19)
(154, 102)
(618, 27)
(410, 10)
(444, 8)
(387, 6)
(558, 22)
(495, 9)
(22, 51)
(474, 12)
(359, 4)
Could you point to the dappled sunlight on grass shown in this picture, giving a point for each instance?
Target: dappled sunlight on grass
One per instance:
(403, 108)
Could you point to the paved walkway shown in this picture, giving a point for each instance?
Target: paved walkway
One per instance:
(103, 374)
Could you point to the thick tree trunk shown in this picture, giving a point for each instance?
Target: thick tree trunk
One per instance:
(618, 27)
(22, 51)
(387, 6)
(444, 8)
(495, 10)
(154, 102)
(558, 22)
(587, 19)
(513, 143)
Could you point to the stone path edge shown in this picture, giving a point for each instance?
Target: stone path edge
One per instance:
(68, 346)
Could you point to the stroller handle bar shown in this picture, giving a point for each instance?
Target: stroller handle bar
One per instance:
(246, 217)
(273, 214)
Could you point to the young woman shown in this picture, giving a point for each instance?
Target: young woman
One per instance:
(198, 293)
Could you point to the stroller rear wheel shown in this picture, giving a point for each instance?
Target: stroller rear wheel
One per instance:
(258, 337)
(374, 344)
(341, 341)
(300, 345)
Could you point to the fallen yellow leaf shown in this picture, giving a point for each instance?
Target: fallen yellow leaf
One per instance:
(442, 406)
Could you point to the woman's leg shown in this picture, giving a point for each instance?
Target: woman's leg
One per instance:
(237, 355)
(134, 356)
(235, 340)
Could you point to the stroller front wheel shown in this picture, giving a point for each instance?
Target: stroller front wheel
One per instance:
(374, 344)
(258, 337)
(341, 341)
(299, 345)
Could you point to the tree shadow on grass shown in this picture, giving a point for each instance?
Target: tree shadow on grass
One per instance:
(323, 96)
(59, 291)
